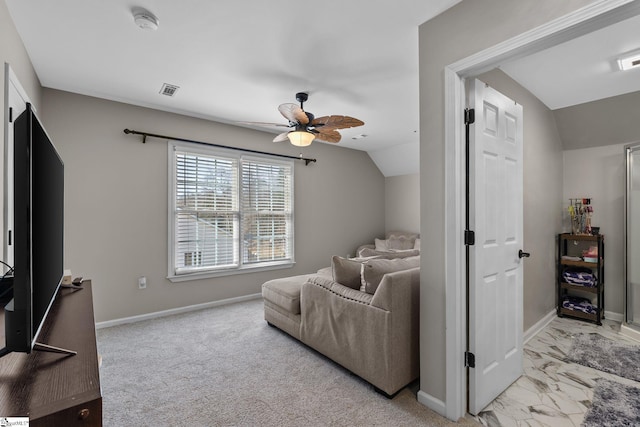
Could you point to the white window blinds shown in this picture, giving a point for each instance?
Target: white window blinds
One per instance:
(229, 212)
(266, 211)
(206, 214)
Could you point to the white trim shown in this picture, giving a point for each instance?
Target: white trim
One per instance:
(10, 80)
(436, 405)
(629, 332)
(613, 316)
(455, 339)
(177, 278)
(538, 326)
(172, 311)
(597, 15)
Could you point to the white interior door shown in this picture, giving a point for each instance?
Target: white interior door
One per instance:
(15, 103)
(495, 267)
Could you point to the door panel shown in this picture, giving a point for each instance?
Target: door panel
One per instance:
(495, 291)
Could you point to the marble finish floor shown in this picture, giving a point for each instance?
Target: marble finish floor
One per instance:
(552, 392)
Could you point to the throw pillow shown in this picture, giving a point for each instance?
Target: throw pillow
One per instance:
(381, 245)
(346, 271)
(400, 243)
(395, 243)
(417, 245)
(374, 270)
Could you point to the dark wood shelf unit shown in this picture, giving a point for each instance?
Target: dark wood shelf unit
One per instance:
(570, 286)
(568, 289)
(54, 389)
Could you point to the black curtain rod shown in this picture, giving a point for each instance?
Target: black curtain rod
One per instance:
(153, 135)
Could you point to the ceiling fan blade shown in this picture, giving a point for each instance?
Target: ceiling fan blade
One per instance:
(264, 124)
(328, 135)
(336, 122)
(282, 137)
(293, 113)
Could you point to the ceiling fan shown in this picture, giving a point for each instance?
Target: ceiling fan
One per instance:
(305, 127)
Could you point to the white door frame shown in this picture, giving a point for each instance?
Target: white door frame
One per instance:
(10, 81)
(597, 15)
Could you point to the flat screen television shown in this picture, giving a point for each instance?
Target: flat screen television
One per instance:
(37, 237)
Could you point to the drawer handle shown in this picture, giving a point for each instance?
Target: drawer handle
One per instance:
(83, 414)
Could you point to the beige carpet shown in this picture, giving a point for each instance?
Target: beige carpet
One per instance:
(226, 367)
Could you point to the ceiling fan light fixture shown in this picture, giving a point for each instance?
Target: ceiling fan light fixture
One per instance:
(301, 138)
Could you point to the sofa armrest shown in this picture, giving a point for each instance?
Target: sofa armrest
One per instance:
(347, 293)
(398, 291)
(361, 247)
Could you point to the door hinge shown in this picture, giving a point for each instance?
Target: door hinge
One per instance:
(10, 114)
(469, 116)
(469, 359)
(469, 237)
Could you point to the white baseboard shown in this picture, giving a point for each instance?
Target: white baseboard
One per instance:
(538, 326)
(157, 314)
(616, 317)
(432, 403)
(628, 332)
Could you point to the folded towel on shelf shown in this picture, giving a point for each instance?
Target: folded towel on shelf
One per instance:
(579, 304)
(580, 277)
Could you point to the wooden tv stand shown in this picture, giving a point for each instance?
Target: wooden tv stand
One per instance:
(55, 389)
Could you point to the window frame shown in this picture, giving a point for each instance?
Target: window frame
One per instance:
(241, 268)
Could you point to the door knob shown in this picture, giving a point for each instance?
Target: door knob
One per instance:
(523, 254)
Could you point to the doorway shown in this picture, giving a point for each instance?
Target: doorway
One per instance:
(588, 19)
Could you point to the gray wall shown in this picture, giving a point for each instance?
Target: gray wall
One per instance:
(402, 201)
(604, 122)
(465, 29)
(116, 203)
(12, 52)
(599, 173)
(542, 196)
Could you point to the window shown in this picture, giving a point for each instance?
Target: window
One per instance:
(228, 212)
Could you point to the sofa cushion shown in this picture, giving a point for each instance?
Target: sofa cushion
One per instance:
(285, 292)
(326, 271)
(347, 271)
(374, 270)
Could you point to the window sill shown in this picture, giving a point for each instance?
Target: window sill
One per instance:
(177, 278)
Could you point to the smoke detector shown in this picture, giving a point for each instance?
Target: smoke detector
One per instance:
(145, 19)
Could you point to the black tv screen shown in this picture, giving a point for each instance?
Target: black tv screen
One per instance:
(47, 206)
(38, 232)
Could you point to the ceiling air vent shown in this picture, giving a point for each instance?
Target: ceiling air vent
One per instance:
(169, 90)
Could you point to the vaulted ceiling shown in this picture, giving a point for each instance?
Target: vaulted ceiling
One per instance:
(237, 61)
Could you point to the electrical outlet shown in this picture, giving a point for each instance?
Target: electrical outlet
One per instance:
(142, 282)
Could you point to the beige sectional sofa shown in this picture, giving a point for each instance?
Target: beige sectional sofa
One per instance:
(363, 313)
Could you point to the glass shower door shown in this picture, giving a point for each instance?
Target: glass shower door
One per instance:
(633, 237)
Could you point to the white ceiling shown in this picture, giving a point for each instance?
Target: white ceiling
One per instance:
(238, 60)
(581, 70)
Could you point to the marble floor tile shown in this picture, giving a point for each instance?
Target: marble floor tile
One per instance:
(552, 391)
